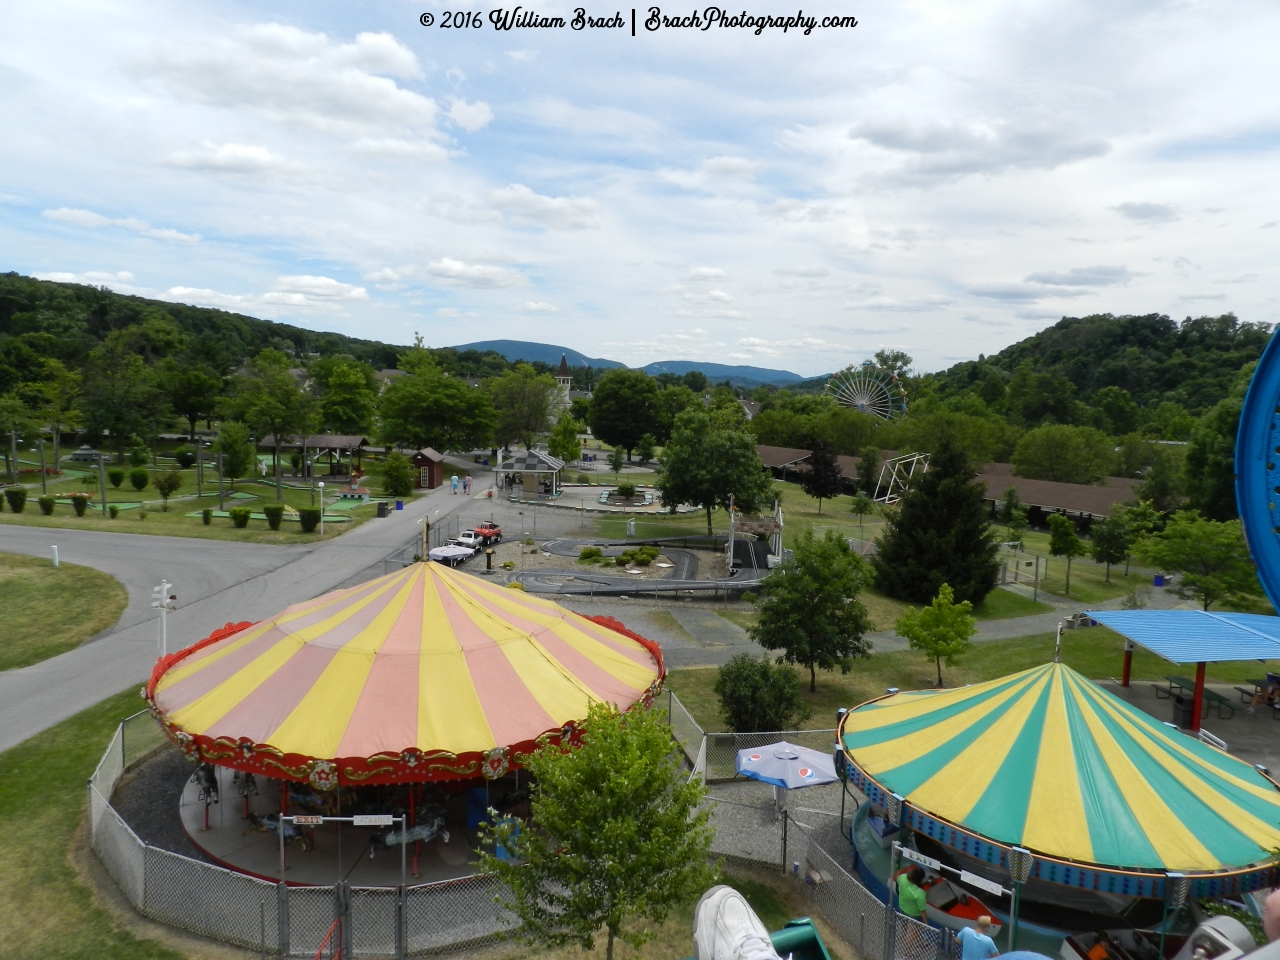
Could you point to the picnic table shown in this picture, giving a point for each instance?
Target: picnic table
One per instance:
(1260, 687)
(1188, 686)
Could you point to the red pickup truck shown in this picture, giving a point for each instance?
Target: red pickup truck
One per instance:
(489, 532)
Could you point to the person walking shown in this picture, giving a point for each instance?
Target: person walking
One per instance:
(466, 484)
(453, 482)
(911, 896)
(975, 943)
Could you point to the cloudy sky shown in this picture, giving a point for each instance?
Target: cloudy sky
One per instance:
(946, 177)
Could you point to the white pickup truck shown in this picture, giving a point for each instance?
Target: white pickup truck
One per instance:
(469, 538)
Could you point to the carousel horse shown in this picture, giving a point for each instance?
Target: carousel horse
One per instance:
(207, 777)
(271, 824)
(427, 830)
(246, 784)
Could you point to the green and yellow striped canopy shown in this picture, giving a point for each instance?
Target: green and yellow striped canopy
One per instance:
(1047, 760)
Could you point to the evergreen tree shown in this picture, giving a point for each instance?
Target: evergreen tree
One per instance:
(868, 470)
(822, 480)
(939, 534)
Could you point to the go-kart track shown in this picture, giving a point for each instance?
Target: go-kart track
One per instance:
(682, 578)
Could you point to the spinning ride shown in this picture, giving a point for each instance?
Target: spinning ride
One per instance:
(1108, 804)
(870, 390)
(427, 674)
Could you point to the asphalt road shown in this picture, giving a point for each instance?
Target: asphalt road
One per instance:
(216, 582)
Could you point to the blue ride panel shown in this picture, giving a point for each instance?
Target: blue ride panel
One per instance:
(1258, 469)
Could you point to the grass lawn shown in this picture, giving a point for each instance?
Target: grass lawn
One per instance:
(49, 610)
(1096, 652)
(45, 909)
(175, 522)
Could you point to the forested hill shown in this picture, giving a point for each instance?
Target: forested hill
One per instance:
(1155, 359)
(67, 320)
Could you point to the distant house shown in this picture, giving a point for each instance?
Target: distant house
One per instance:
(387, 377)
(333, 444)
(429, 465)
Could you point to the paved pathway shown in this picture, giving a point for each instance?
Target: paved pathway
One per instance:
(216, 581)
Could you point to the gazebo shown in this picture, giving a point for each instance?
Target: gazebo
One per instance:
(534, 463)
(1045, 778)
(425, 676)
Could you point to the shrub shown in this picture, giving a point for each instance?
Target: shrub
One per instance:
(397, 476)
(138, 456)
(583, 478)
(590, 553)
(624, 558)
(186, 456)
(309, 518)
(643, 560)
(139, 479)
(515, 586)
(142, 513)
(167, 484)
(508, 564)
(757, 695)
(206, 516)
(17, 498)
(239, 516)
(116, 476)
(627, 489)
(275, 513)
(113, 510)
(46, 505)
(79, 503)
(528, 541)
(295, 461)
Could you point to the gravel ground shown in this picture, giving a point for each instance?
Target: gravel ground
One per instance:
(148, 797)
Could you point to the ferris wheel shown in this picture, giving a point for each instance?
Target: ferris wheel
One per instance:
(869, 389)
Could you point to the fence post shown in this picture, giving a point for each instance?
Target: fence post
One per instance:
(262, 927)
(402, 932)
(785, 821)
(282, 918)
(343, 889)
(123, 755)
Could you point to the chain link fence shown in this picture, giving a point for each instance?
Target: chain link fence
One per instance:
(808, 845)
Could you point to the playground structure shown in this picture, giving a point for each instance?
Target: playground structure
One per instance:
(896, 473)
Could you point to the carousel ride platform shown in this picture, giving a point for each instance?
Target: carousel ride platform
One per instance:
(340, 851)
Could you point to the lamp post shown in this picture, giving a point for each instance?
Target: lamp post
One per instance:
(162, 600)
(321, 486)
(44, 485)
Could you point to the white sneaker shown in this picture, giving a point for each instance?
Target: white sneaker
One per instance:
(726, 928)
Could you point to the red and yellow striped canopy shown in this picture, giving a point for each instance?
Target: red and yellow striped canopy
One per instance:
(425, 674)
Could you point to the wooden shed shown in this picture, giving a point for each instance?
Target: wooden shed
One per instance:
(430, 468)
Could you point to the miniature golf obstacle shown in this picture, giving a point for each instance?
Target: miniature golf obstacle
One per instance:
(426, 674)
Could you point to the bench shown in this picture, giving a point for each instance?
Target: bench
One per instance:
(1246, 696)
(1185, 685)
(1219, 702)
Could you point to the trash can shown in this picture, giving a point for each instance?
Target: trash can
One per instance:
(1182, 711)
(399, 504)
(1158, 580)
(382, 508)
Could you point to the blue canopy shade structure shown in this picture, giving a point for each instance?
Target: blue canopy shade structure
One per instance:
(1193, 636)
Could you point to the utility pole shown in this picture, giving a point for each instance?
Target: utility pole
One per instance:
(44, 485)
(162, 600)
(220, 481)
(102, 482)
(322, 508)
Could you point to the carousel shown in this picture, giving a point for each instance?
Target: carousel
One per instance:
(409, 702)
(1050, 804)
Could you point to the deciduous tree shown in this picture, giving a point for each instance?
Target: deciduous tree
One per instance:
(268, 397)
(822, 480)
(756, 694)
(563, 441)
(524, 401)
(706, 467)
(235, 448)
(809, 607)
(940, 631)
(1210, 558)
(1064, 453)
(1063, 542)
(1111, 541)
(427, 409)
(624, 407)
(618, 835)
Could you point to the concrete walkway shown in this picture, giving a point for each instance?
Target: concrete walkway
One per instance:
(216, 582)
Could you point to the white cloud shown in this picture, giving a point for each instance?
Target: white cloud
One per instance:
(537, 306)
(890, 304)
(938, 152)
(707, 273)
(87, 218)
(239, 158)
(296, 77)
(558, 213)
(470, 116)
(317, 288)
(729, 167)
(802, 272)
(1147, 212)
(457, 273)
(522, 56)
(1099, 276)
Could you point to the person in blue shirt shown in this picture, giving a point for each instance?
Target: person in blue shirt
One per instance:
(975, 944)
